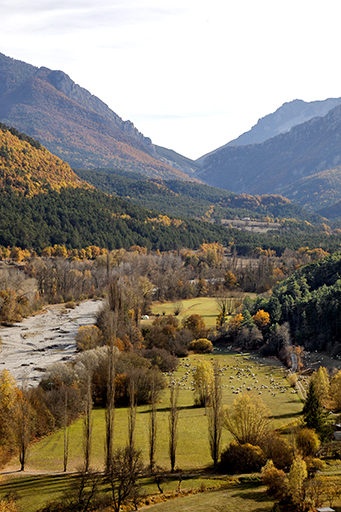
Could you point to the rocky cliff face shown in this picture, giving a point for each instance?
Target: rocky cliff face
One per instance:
(63, 83)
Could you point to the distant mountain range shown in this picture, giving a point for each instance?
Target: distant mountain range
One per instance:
(288, 115)
(294, 152)
(284, 164)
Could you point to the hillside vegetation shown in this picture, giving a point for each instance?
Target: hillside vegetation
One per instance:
(27, 168)
(187, 199)
(309, 301)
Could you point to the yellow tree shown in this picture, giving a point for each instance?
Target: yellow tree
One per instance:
(335, 390)
(322, 385)
(248, 420)
(261, 319)
(203, 381)
(298, 473)
(87, 337)
(8, 398)
(230, 280)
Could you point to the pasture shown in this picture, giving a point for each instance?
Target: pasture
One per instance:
(207, 307)
(239, 373)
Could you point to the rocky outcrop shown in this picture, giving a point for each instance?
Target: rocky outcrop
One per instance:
(63, 83)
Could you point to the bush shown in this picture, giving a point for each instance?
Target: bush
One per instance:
(161, 358)
(275, 480)
(278, 449)
(201, 346)
(241, 458)
(307, 442)
(88, 337)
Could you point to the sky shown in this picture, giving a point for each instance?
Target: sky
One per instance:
(190, 74)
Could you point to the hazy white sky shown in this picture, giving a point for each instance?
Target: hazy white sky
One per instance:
(190, 74)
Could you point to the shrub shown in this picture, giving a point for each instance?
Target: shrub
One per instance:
(292, 379)
(88, 337)
(196, 325)
(201, 346)
(161, 358)
(278, 449)
(307, 442)
(241, 458)
(275, 480)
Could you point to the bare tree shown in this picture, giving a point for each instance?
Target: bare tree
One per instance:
(115, 307)
(131, 421)
(248, 419)
(152, 426)
(173, 424)
(88, 420)
(215, 417)
(23, 426)
(66, 428)
(83, 494)
(125, 468)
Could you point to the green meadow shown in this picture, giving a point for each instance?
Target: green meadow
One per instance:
(205, 306)
(239, 372)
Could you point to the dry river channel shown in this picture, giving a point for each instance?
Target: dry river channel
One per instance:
(29, 347)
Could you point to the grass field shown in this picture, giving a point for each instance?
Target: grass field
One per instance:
(230, 495)
(193, 448)
(205, 306)
(246, 497)
(193, 454)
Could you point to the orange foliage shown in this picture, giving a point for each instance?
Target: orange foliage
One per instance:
(30, 171)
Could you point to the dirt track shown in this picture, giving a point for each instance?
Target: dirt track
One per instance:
(32, 345)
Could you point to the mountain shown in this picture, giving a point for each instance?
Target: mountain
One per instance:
(288, 115)
(318, 191)
(75, 125)
(277, 163)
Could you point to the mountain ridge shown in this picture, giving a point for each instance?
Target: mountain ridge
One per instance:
(288, 115)
(278, 162)
(73, 124)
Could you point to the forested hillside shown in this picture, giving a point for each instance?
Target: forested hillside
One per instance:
(78, 218)
(187, 199)
(28, 168)
(310, 301)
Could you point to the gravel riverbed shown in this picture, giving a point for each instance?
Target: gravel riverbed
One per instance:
(29, 347)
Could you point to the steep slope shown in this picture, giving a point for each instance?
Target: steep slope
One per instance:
(282, 120)
(275, 164)
(73, 124)
(318, 191)
(28, 168)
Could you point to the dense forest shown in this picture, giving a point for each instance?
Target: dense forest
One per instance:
(189, 199)
(309, 302)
